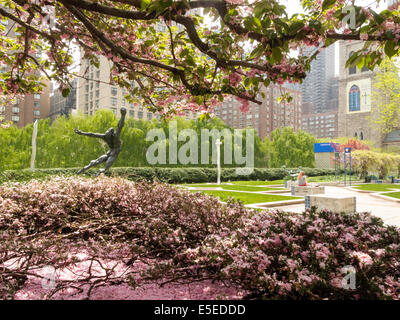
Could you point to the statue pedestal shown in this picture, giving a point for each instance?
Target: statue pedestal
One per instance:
(339, 204)
(306, 191)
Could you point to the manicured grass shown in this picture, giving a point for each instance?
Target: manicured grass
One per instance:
(377, 187)
(235, 188)
(203, 185)
(249, 188)
(247, 198)
(258, 183)
(393, 195)
(326, 178)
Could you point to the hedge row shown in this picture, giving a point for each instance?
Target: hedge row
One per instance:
(169, 175)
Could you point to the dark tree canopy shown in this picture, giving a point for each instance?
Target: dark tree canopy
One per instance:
(183, 54)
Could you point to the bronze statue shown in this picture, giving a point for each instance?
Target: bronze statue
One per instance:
(112, 139)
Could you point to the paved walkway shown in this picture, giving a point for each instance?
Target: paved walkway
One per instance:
(388, 210)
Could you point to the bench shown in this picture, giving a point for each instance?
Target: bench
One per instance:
(340, 204)
(307, 190)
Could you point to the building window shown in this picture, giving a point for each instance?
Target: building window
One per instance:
(114, 110)
(15, 109)
(36, 104)
(364, 69)
(149, 116)
(37, 96)
(140, 114)
(97, 75)
(354, 99)
(36, 112)
(361, 136)
(131, 113)
(114, 101)
(15, 118)
(352, 70)
(114, 91)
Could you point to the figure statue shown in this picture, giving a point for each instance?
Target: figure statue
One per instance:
(113, 141)
(292, 173)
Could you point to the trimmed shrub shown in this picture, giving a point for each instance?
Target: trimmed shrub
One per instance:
(169, 175)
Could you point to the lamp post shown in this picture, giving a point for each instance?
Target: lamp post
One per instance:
(34, 136)
(218, 144)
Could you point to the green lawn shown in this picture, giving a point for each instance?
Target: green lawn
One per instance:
(247, 198)
(234, 188)
(258, 183)
(393, 195)
(377, 187)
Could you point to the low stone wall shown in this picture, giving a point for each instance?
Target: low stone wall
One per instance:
(340, 204)
(306, 191)
(289, 184)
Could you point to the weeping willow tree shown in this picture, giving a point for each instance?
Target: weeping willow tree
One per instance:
(59, 147)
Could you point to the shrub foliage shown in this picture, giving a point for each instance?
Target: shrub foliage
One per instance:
(169, 175)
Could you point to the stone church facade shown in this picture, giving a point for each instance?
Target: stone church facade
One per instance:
(356, 109)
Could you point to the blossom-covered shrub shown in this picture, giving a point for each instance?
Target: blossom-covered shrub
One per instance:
(121, 232)
(152, 215)
(41, 223)
(278, 255)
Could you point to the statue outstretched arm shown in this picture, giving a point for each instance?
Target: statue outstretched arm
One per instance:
(121, 122)
(90, 134)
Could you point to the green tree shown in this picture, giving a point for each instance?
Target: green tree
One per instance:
(386, 97)
(292, 149)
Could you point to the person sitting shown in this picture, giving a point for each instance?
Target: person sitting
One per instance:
(302, 179)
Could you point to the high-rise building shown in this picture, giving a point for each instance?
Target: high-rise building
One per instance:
(268, 116)
(317, 86)
(60, 106)
(94, 92)
(321, 125)
(32, 106)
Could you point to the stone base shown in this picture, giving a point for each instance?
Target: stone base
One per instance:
(306, 191)
(340, 204)
(289, 184)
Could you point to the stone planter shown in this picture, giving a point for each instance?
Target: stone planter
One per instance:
(341, 204)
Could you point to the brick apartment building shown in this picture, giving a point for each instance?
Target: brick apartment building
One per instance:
(268, 116)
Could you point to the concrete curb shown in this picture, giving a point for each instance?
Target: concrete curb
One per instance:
(266, 205)
(383, 197)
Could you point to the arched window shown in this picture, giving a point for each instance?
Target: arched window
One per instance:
(361, 136)
(354, 99)
(356, 135)
(352, 70)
